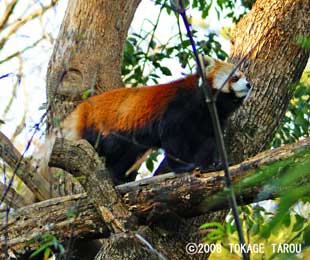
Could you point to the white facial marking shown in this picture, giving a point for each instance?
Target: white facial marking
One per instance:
(219, 80)
(240, 87)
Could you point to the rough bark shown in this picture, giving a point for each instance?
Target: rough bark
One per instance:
(73, 216)
(82, 161)
(38, 187)
(274, 67)
(150, 200)
(196, 194)
(13, 199)
(88, 51)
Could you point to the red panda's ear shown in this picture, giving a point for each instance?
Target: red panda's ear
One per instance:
(208, 62)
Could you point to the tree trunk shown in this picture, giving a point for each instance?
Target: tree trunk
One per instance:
(274, 67)
(88, 51)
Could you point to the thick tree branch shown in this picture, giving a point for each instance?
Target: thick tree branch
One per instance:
(8, 152)
(197, 193)
(94, 178)
(65, 216)
(98, 184)
(36, 183)
(186, 195)
(13, 199)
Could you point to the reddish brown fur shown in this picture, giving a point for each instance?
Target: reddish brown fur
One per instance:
(127, 109)
(220, 66)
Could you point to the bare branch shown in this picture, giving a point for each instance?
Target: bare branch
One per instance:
(17, 53)
(14, 88)
(20, 22)
(36, 183)
(7, 13)
(8, 152)
(13, 199)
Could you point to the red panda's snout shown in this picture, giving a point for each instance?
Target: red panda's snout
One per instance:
(241, 87)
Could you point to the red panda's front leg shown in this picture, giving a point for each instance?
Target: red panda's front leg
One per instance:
(184, 155)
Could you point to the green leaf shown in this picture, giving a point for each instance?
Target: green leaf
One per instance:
(47, 253)
(212, 225)
(153, 44)
(41, 249)
(149, 164)
(87, 93)
(300, 221)
(165, 71)
(287, 220)
(306, 236)
(304, 42)
(255, 229)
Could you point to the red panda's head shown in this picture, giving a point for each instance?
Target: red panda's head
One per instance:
(218, 71)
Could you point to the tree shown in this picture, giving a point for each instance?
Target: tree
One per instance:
(72, 71)
(275, 67)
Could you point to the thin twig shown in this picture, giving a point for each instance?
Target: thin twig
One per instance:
(36, 129)
(150, 247)
(13, 55)
(152, 37)
(7, 14)
(7, 210)
(14, 89)
(22, 21)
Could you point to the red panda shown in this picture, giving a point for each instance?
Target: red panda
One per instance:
(123, 124)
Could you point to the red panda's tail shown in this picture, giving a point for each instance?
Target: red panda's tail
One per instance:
(66, 130)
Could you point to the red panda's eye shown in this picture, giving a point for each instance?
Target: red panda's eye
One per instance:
(234, 78)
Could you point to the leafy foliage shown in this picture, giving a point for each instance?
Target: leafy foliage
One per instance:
(151, 159)
(296, 122)
(48, 244)
(142, 66)
(144, 53)
(284, 221)
(304, 42)
(293, 230)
